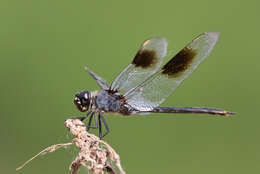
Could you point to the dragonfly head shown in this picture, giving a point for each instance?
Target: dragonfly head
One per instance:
(82, 100)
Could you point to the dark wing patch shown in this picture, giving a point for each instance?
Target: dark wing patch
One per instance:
(179, 63)
(145, 58)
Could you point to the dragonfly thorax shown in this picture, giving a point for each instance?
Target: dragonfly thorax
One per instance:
(107, 102)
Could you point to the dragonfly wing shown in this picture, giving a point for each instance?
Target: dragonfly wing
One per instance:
(102, 83)
(159, 86)
(146, 62)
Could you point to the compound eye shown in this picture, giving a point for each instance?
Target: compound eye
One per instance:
(85, 104)
(77, 102)
(86, 96)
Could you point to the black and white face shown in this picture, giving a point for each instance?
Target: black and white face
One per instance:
(82, 100)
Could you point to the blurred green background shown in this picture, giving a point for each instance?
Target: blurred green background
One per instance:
(44, 46)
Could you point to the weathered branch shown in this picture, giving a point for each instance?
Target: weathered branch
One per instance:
(94, 153)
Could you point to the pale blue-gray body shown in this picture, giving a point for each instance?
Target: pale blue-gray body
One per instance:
(107, 102)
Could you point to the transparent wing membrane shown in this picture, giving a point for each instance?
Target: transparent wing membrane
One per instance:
(154, 90)
(146, 62)
(102, 83)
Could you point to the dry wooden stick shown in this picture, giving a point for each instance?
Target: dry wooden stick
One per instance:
(94, 153)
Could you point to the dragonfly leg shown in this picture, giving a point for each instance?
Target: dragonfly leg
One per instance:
(90, 121)
(99, 127)
(98, 123)
(83, 117)
(105, 124)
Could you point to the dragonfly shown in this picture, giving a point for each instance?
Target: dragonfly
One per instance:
(145, 84)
